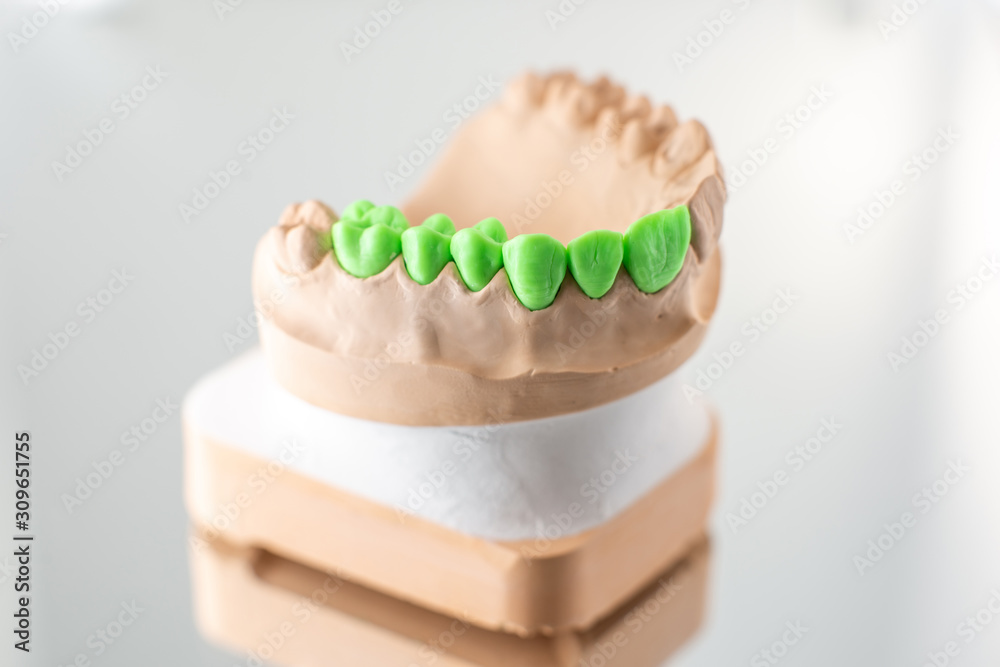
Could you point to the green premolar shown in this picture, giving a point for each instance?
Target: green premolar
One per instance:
(536, 266)
(425, 252)
(655, 247)
(477, 257)
(390, 216)
(594, 260)
(440, 223)
(357, 209)
(493, 229)
(365, 249)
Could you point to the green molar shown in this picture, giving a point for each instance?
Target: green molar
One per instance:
(655, 247)
(594, 260)
(390, 216)
(357, 209)
(536, 266)
(492, 228)
(477, 256)
(440, 223)
(425, 252)
(365, 249)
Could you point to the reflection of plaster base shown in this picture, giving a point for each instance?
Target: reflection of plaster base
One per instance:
(522, 587)
(267, 608)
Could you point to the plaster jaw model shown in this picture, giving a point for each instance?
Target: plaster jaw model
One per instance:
(482, 413)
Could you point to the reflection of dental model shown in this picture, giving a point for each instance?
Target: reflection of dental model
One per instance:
(491, 434)
(268, 608)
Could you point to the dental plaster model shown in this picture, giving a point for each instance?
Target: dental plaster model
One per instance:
(474, 416)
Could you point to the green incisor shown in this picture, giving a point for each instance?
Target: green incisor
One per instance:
(594, 260)
(536, 266)
(655, 247)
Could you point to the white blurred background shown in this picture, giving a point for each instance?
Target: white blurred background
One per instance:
(888, 94)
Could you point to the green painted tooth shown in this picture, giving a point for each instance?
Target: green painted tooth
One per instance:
(425, 252)
(655, 247)
(365, 249)
(357, 209)
(440, 223)
(493, 229)
(390, 216)
(477, 257)
(594, 260)
(536, 266)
